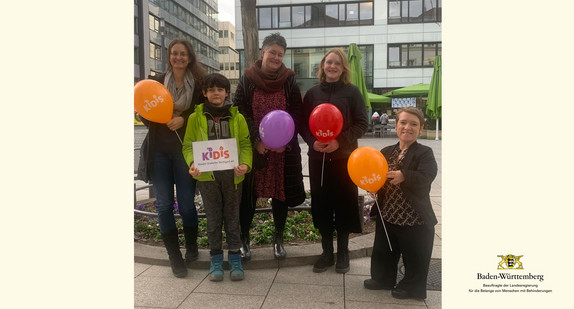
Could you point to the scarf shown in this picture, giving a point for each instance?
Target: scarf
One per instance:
(181, 96)
(272, 82)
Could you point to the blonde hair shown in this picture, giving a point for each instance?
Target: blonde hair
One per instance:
(346, 75)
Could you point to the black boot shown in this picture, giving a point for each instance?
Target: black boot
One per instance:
(342, 252)
(191, 251)
(171, 243)
(278, 249)
(245, 249)
(327, 259)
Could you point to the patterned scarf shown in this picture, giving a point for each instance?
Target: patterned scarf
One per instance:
(268, 82)
(181, 96)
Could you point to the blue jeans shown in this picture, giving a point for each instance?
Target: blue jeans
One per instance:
(170, 169)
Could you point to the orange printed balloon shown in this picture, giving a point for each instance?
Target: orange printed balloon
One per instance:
(153, 101)
(368, 168)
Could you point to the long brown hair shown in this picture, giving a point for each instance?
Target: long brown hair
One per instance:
(195, 67)
(346, 75)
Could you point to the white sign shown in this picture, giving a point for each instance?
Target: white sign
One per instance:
(403, 102)
(215, 155)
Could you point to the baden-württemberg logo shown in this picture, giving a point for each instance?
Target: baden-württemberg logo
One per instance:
(510, 261)
(510, 278)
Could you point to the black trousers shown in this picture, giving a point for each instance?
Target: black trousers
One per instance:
(415, 244)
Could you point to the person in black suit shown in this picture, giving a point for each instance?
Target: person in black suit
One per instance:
(405, 206)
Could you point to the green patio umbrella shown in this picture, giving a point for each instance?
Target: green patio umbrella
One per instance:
(418, 90)
(357, 78)
(434, 101)
(377, 98)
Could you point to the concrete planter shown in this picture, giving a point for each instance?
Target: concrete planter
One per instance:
(431, 134)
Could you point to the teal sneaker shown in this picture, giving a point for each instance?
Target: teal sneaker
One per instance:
(216, 268)
(236, 272)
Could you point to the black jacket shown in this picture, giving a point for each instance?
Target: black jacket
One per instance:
(419, 170)
(348, 99)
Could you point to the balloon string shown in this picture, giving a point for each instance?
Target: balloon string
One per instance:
(383, 222)
(178, 137)
(322, 169)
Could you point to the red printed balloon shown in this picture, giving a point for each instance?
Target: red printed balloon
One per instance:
(326, 122)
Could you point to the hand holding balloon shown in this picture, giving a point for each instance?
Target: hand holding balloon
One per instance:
(175, 123)
(395, 177)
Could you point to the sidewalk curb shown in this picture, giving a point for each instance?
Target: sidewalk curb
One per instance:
(359, 247)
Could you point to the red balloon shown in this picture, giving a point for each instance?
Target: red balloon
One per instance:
(326, 122)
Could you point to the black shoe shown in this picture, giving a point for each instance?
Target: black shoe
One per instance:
(342, 262)
(403, 294)
(191, 250)
(245, 249)
(325, 261)
(171, 242)
(372, 284)
(278, 249)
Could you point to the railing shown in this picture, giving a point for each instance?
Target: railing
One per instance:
(362, 202)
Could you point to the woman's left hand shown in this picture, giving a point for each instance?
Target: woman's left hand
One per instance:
(175, 123)
(332, 145)
(395, 177)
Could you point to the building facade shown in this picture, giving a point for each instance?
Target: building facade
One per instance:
(228, 55)
(398, 39)
(157, 22)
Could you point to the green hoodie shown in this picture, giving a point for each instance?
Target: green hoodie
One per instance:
(196, 131)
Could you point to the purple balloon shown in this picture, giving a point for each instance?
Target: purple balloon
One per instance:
(276, 129)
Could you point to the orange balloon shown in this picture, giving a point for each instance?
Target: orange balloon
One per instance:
(368, 168)
(153, 101)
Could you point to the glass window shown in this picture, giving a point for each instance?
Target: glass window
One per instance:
(221, 66)
(317, 15)
(415, 11)
(352, 14)
(415, 55)
(285, 17)
(430, 52)
(225, 33)
(226, 66)
(265, 18)
(298, 16)
(341, 14)
(394, 57)
(275, 18)
(331, 15)
(366, 13)
(220, 34)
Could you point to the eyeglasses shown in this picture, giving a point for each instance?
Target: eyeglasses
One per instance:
(175, 54)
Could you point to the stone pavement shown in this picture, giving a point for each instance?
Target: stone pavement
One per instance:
(278, 284)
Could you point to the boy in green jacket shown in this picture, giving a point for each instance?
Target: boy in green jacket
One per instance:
(220, 190)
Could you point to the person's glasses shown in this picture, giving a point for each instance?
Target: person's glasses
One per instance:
(175, 54)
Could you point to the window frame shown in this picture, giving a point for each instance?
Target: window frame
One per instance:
(404, 63)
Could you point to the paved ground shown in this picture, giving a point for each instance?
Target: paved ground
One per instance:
(272, 284)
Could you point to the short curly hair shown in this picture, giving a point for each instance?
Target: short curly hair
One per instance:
(274, 38)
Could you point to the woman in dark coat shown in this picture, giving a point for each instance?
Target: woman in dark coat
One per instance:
(277, 173)
(162, 158)
(337, 195)
(406, 208)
